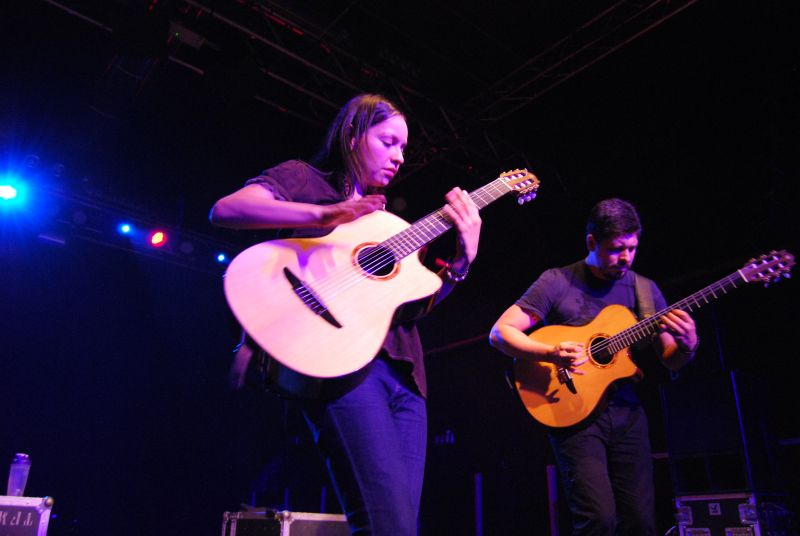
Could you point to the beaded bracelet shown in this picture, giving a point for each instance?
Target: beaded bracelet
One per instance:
(452, 275)
(455, 277)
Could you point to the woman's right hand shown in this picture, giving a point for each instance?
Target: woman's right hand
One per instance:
(351, 209)
(255, 207)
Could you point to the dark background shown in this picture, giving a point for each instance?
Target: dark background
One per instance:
(113, 365)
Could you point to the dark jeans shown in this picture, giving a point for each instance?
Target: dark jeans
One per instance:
(373, 443)
(607, 472)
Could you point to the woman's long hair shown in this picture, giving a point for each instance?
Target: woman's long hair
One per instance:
(340, 149)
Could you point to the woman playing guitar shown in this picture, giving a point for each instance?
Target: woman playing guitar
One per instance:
(373, 437)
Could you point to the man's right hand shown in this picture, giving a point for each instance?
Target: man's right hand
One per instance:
(568, 355)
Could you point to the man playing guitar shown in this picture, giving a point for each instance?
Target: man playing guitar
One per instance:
(605, 460)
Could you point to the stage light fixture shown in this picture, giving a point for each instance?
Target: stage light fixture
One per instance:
(13, 192)
(125, 228)
(158, 239)
(221, 257)
(7, 192)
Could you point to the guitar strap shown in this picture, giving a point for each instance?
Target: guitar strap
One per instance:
(645, 305)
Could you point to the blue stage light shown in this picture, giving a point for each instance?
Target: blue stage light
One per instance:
(13, 192)
(222, 258)
(125, 228)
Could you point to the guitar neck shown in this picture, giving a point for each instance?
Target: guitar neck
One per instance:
(430, 227)
(650, 326)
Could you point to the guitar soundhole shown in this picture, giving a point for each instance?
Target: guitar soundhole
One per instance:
(600, 353)
(376, 261)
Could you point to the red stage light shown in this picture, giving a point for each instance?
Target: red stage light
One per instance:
(158, 239)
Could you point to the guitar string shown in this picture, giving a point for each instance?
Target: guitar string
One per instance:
(337, 281)
(437, 221)
(383, 255)
(649, 326)
(386, 256)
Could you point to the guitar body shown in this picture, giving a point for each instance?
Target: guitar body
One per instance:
(361, 305)
(547, 399)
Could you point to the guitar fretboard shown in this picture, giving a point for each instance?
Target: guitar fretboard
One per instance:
(650, 326)
(430, 227)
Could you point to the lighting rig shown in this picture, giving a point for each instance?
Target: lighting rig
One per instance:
(36, 204)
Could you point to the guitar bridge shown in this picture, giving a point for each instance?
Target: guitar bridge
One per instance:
(308, 297)
(565, 377)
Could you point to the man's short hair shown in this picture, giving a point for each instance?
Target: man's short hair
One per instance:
(613, 217)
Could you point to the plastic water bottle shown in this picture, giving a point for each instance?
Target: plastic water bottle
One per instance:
(18, 476)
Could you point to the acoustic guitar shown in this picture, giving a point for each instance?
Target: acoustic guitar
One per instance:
(557, 398)
(321, 307)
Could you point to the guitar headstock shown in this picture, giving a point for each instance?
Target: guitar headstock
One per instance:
(768, 268)
(523, 182)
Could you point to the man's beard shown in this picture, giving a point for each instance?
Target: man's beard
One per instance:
(617, 271)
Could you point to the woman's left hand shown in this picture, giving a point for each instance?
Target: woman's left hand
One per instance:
(463, 212)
